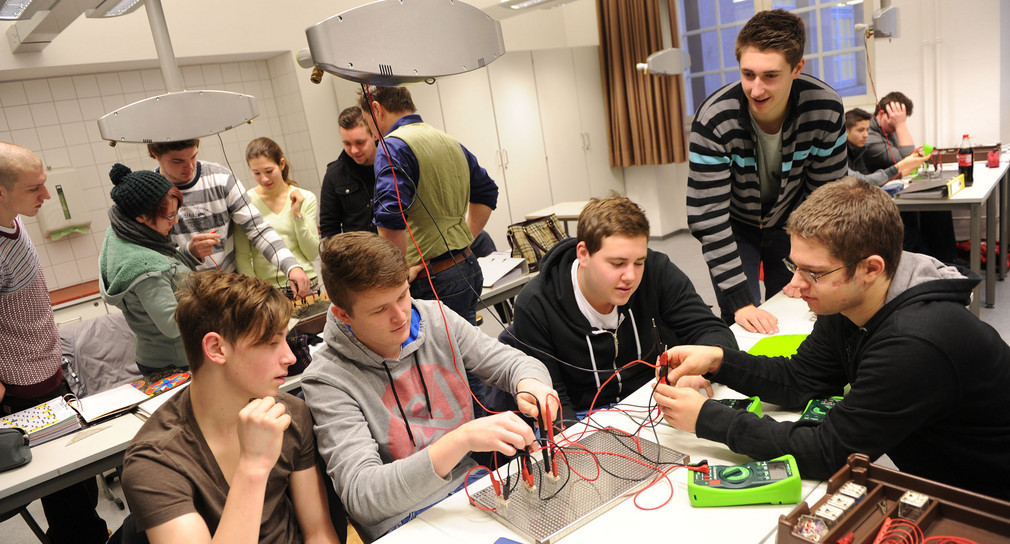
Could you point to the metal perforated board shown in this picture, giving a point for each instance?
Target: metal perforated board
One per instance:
(579, 501)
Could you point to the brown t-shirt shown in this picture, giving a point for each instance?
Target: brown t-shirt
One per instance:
(169, 471)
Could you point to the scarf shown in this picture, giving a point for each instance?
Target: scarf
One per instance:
(132, 231)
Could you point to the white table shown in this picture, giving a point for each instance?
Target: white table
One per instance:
(566, 211)
(982, 192)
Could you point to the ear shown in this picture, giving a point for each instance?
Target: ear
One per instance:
(342, 315)
(798, 69)
(874, 265)
(215, 348)
(582, 253)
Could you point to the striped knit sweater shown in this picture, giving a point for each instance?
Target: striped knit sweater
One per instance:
(723, 179)
(216, 200)
(29, 342)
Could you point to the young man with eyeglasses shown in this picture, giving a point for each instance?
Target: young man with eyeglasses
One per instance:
(924, 373)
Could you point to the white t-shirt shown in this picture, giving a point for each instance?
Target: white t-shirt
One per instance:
(597, 320)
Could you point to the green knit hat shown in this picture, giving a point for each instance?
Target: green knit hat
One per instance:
(137, 193)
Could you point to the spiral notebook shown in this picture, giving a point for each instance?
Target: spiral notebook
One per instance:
(47, 421)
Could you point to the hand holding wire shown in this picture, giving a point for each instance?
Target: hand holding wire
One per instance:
(693, 361)
(202, 244)
(533, 394)
(504, 432)
(299, 282)
(680, 406)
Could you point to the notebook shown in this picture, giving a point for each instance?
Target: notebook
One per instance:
(108, 403)
(929, 186)
(47, 421)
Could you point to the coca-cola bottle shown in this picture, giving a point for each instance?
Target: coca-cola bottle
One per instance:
(966, 160)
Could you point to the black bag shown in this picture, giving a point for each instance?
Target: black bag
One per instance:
(532, 238)
(14, 450)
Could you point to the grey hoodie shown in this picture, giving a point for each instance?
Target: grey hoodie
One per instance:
(380, 467)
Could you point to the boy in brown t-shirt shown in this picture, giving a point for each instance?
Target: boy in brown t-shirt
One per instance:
(229, 457)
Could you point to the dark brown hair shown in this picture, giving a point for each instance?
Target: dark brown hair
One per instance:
(894, 96)
(355, 262)
(608, 217)
(236, 306)
(159, 149)
(265, 147)
(393, 99)
(775, 30)
(351, 117)
(856, 116)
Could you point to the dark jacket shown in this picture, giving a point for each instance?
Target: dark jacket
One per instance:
(549, 326)
(928, 383)
(345, 200)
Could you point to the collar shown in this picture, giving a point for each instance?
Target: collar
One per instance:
(192, 182)
(408, 119)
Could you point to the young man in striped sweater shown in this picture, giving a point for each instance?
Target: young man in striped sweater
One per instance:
(215, 199)
(30, 352)
(758, 148)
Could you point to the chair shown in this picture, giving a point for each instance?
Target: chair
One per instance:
(32, 524)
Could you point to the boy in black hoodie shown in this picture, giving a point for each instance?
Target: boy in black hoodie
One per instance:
(626, 295)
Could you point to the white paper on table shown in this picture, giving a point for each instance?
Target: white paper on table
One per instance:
(500, 266)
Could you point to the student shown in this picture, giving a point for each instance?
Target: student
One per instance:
(215, 202)
(349, 182)
(140, 267)
(930, 232)
(292, 212)
(229, 458)
(600, 300)
(758, 147)
(30, 372)
(924, 372)
(456, 191)
(388, 393)
(857, 130)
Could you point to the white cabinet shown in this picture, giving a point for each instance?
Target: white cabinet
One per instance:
(79, 310)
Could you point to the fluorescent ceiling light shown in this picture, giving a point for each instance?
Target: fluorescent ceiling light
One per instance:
(13, 10)
(114, 8)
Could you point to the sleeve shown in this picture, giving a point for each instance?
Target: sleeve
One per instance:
(261, 235)
(684, 311)
(885, 405)
(243, 254)
(878, 153)
(330, 212)
(829, 163)
(158, 299)
(390, 194)
(878, 178)
(371, 490)
(155, 488)
(533, 335)
(483, 189)
(306, 229)
(709, 187)
(301, 426)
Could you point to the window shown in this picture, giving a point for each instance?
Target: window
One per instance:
(835, 52)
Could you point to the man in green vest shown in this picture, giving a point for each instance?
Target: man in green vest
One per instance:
(430, 186)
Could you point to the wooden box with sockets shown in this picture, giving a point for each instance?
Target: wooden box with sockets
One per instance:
(894, 498)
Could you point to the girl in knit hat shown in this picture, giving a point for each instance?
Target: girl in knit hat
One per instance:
(292, 212)
(140, 267)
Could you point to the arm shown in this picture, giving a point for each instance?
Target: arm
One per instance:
(330, 212)
(483, 189)
(158, 299)
(261, 235)
(308, 495)
(504, 432)
(476, 218)
(243, 254)
(398, 237)
(393, 195)
(896, 111)
(306, 231)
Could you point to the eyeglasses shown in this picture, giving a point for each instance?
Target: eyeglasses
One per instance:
(171, 217)
(810, 276)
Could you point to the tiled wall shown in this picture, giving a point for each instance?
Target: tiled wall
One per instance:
(56, 118)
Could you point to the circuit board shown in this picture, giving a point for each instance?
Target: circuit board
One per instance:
(555, 508)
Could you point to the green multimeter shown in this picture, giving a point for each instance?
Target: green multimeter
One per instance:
(752, 404)
(817, 409)
(762, 482)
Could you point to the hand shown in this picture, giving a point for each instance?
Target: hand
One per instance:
(697, 383)
(505, 432)
(896, 111)
(680, 406)
(299, 282)
(545, 395)
(3, 391)
(413, 272)
(907, 165)
(203, 244)
(261, 426)
(297, 198)
(755, 319)
(791, 292)
(692, 361)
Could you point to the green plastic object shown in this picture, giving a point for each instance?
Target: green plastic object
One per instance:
(817, 409)
(751, 404)
(762, 482)
(782, 345)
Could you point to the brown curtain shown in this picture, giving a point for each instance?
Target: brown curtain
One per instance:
(643, 111)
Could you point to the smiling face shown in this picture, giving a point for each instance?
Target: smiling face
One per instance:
(380, 318)
(267, 173)
(359, 144)
(178, 166)
(767, 80)
(25, 197)
(858, 133)
(259, 369)
(610, 276)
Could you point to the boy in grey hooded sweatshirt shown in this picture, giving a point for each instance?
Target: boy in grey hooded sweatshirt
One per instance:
(393, 415)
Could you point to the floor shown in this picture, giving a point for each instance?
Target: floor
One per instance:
(682, 248)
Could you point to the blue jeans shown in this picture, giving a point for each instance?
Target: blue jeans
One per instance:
(756, 246)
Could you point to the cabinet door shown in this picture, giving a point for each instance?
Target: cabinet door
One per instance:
(564, 139)
(469, 117)
(589, 82)
(517, 114)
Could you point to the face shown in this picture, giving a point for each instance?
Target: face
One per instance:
(27, 195)
(831, 294)
(858, 133)
(267, 173)
(260, 369)
(179, 166)
(359, 144)
(767, 79)
(381, 318)
(610, 276)
(163, 223)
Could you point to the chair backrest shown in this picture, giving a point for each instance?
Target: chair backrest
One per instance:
(101, 352)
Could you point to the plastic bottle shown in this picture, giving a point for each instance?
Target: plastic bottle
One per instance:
(966, 160)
